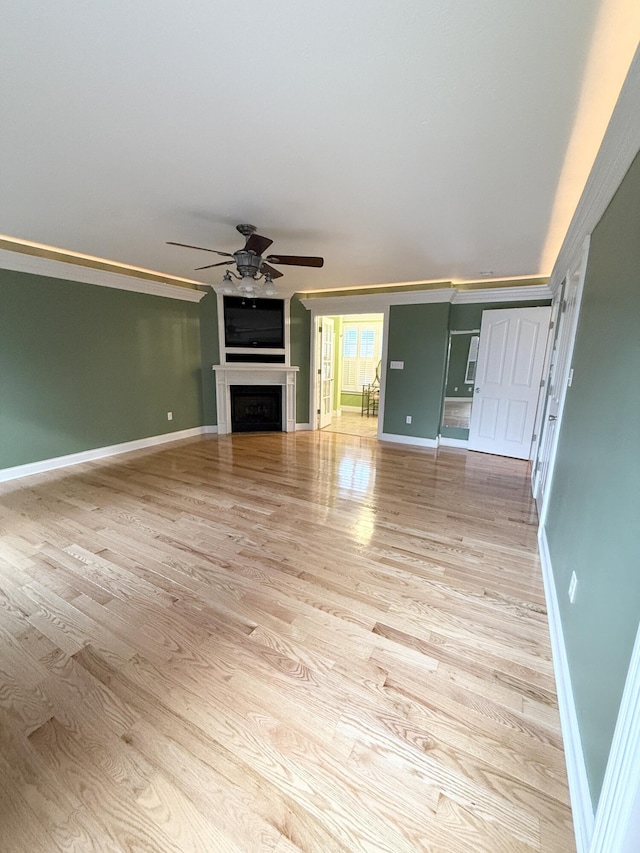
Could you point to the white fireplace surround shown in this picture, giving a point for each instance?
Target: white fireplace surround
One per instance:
(255, 374)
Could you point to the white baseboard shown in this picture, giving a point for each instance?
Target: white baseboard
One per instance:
(410, 440)
(453, 442)
(300, 427)
(357, 409)
(19, 471)
(581, 806)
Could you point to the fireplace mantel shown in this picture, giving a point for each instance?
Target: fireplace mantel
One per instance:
(255, 374)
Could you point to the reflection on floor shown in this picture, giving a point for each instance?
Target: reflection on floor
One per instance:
(353, 423)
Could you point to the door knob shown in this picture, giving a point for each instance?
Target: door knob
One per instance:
(553, 417)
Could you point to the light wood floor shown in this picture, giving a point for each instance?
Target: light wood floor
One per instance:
(277, 642)
(353, 423)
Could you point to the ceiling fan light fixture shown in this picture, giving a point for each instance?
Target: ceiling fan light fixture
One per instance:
(228, 284)
(253, 274)
(247, 284)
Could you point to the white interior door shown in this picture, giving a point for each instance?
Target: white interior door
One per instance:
(510, 359)
(326, 371)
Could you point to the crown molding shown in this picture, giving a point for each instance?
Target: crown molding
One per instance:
(375, 302)
(36, 265)
(524, 293)
(620, 145)
(368, 303)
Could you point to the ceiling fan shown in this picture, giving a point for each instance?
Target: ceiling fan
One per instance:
(254, 272)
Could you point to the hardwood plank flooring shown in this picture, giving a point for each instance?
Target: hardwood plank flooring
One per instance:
(309, 642)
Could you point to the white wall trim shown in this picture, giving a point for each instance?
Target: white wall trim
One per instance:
(521, 293)
(302, 427)
(51, 268)
(411, 440)
(453, 442)
(616, 808)
(357, 409)
(580, 796)
(374, 303)
(19, 471)
(371, 303)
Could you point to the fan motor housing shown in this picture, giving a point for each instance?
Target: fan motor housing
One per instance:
(248, 262)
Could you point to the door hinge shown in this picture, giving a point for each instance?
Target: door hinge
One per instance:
(538, 466)
(564, 305)
(543, 382)
(318, 411)
(534, 437)
(551, 324)
(319, 371)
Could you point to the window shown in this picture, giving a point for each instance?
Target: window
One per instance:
(361, 351)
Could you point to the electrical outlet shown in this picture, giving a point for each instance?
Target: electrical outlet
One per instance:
(573, 583)
(169, 416)
(408, 419)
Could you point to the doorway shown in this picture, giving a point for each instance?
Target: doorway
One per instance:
(348, 371)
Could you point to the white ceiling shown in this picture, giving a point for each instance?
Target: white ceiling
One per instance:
(403, 140)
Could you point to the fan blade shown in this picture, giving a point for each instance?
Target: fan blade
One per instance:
(208, 266)
(296, 260)
(258, 244)
(200, 248)
(267, 270)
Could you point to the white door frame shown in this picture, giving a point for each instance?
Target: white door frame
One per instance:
(556, 308)
(569, 337)
(324, 418)
(315, 355)
(617, 823)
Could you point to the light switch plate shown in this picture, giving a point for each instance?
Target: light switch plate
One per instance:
(396, 365)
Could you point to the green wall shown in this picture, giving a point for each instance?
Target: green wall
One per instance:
(418, 335)
(83, 366)
(300, 339)
(593, 523)
(347, 398)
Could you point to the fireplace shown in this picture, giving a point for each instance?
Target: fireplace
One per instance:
(257, 377)
(256, 408)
